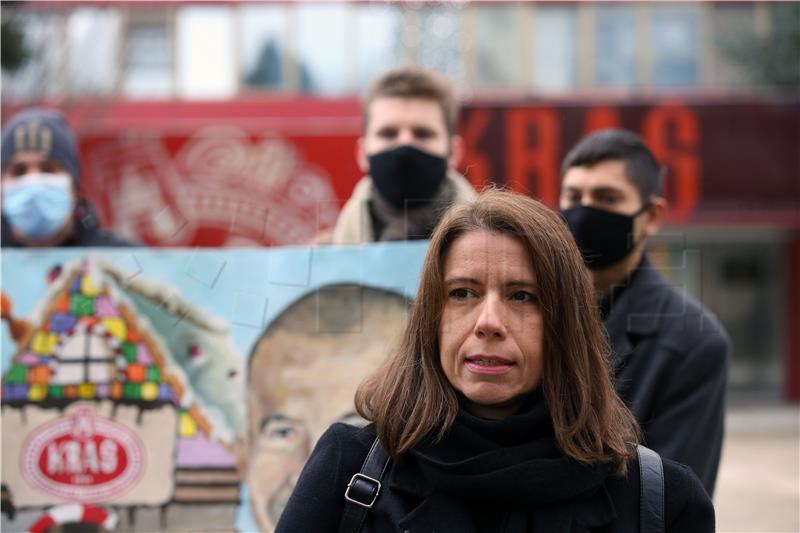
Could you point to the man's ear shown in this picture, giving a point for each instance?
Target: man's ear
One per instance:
(456, 151)
(656, 215)
(361, 156)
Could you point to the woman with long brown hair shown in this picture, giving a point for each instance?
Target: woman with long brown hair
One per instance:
(496, 409)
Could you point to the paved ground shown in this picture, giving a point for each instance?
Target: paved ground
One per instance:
(758, 489)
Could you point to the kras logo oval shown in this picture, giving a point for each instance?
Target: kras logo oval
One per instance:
(83, 457)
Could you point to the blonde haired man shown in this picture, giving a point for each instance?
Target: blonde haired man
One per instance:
(409, 151)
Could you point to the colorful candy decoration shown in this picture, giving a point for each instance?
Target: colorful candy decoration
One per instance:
(86, 348)
(91, 340)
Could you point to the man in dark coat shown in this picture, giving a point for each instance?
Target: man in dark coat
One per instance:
(670, 353)
(41, 176)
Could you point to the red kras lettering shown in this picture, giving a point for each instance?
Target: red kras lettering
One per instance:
(92, 461)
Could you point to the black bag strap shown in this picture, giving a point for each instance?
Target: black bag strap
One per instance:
(364, 488)
(651, 491)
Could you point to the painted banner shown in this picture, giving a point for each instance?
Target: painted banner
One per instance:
(185, 387)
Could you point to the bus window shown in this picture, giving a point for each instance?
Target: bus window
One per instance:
(324, 63)
(497, 42)
(675, 45)
(554, 64)
(206, 66)
(262, 45)
(147, 56)
(441, 39)
(379, 46)
(615, 46)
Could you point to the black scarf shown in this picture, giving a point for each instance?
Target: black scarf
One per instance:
(510, 470)
(416, 221)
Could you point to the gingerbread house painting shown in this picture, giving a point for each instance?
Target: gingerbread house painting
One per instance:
(121, 393)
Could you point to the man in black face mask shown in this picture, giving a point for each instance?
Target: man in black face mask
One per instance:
(409, 151)
(670, 354)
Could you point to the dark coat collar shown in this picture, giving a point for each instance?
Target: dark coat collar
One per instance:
(636, 312)
(435, 511)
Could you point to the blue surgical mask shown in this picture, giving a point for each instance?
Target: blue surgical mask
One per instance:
(38, 205)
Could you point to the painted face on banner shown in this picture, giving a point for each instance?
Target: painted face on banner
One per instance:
(303, 376)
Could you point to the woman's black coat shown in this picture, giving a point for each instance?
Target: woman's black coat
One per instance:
(407, 505)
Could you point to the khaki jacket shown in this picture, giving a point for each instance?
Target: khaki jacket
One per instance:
(354, 225)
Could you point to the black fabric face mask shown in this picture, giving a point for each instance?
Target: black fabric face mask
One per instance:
(406, 173)
(604, 238)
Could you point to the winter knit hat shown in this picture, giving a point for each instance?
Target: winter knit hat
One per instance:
(44, 131)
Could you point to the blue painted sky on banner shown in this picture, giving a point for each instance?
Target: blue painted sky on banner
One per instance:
(247, 288)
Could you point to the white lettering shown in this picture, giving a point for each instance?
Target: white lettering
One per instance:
(108, 456)
(54, 462)
(90, 461)
(72, 453)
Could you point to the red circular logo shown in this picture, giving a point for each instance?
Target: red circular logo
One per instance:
(83, 457)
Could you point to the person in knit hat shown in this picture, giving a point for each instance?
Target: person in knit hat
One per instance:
(40, 186)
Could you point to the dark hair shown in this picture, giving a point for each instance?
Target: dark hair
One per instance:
(641, 166)
(410, 397)
(415, 82)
